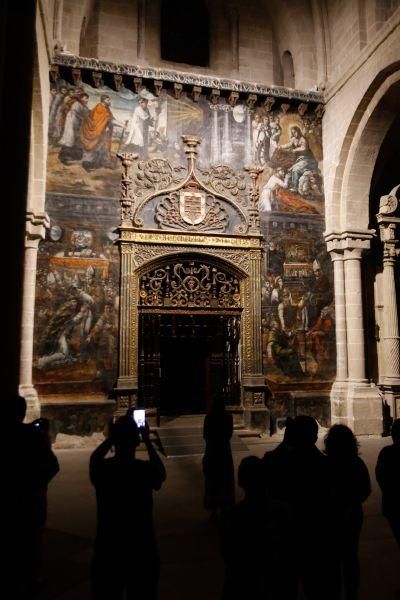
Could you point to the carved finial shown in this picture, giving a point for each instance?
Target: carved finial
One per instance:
(254, 195)
(127, 198)
(388, 204)
(191, 142)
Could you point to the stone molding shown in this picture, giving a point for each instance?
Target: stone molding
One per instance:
(181, 77)
(36, 225)
(349, 240)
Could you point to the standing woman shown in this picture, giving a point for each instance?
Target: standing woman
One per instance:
(351, 487)
(218, 472)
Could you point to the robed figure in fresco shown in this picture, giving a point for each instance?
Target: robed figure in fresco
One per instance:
(96, 135)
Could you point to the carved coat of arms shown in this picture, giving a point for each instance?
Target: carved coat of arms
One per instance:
(192, 206)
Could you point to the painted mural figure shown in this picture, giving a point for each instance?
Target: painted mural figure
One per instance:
(56, 107)
(304, 158)
(268, 199)
(103, 335)
(320, 338)
(282, 351)
(261, 139)
(54, 347)
(275, 134)
(96, 135)
(75, 111)
(138, 133)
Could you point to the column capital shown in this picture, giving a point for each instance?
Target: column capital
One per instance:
(36, 224)
(338, 242)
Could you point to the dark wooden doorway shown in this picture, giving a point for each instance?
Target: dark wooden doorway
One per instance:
(186, 360)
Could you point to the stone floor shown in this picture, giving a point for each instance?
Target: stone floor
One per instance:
(188, 541)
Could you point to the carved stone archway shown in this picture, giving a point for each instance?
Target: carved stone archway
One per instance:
(188, 212)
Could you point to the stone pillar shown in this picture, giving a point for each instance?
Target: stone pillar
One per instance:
(388, 219)
(354, 316)
(340, 316)
(355, 401)
(36, 224)
(253, 381)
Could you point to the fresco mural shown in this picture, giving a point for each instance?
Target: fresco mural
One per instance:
(76, 317)
(77, 286)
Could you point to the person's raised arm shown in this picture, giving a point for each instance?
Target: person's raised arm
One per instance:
(98, 457)
(159, 471)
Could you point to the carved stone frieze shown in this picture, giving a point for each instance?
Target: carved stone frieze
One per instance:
(156, 174)
(144, 254)
(223, 180)
(180, 77)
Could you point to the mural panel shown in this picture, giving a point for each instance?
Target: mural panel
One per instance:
(77, 303)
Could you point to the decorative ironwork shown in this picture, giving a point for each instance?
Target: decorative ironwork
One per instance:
(189, 284)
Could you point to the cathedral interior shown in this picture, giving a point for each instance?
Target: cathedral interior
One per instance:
(202, 206)
(193, 221)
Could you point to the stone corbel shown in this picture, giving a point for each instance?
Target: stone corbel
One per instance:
(35, 226)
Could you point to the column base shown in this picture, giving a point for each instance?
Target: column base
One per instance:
(256, 415)
(32, 401)
(357, 405)
(391, 395)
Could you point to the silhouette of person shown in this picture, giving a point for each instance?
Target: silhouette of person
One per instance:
(387, 474)
(352, 487)
(125, 554)
(32, 467)
(298, 473)
(219, 490)
(256, 540)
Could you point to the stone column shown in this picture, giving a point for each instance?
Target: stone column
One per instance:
(388, 219)
(36, 224)
(355, 401)
(354, 316)
(340, 316)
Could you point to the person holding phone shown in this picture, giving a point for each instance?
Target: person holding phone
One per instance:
(125, 554)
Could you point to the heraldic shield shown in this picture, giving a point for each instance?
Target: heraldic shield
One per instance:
(192, 206)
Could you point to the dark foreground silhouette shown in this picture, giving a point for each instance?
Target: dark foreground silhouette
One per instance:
(388, 476)
(30, 467)
(219, 488)
(125, 555)
(299, 474)
(352, 487)
(257, 538)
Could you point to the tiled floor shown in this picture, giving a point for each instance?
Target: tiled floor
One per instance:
(191, 563)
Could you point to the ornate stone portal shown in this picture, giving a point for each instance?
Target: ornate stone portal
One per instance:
(190, 245)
